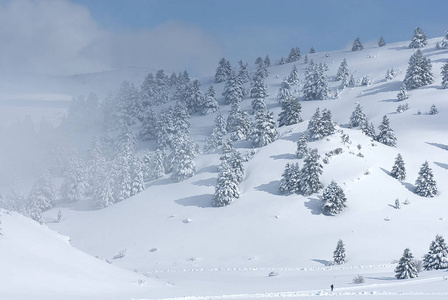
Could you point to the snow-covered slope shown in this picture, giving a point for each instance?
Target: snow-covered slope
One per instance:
(172, 232)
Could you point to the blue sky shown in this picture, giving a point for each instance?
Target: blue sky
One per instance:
(90, 35)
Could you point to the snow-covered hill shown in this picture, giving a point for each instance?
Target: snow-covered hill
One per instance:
(172, 234)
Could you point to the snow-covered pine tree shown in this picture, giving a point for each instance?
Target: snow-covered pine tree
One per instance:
(369, 130)
(351, 81)
(282, 61)
(259, 60)
(390, 74)
(243, 71)
(209, 104)
(238, 123)
(398, 169)
(267, 61)
(137, 176)
(316, 126)
(316, 84)
(233, 90)
(437, 257)
(236, 164)
(223, 71)
(158, 164)
(445, 76)
(293, 78)
(264, 129)
(418, 73)
(284, 92)
(343, 71)
(302, 146)
(165, 128)
(148, 90)
(258, 90)
(386, 134)
(419, 39)
(192, 97)
(290, 182)
(309, 175)
(128, 105)
(327, 122)
(184, 153)
(402, 94)
(433, 110)
(219, 131)
(381, 42)
(226, 189)
(357, 45)
(358, 117)
(406, 267)
(149, 124)
(290, 113)
(339, 253)
(43, 193)
(75, 183)
(312, 50)
(425, 184)
(147, 164)
(333, 199)
(305, 59)
(103, 195)
(294, 55)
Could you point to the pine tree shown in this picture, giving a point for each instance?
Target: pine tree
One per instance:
(290, 182)
(184, 165)
(381, 42)
(398, 170)
(433, 110)
(386, 134)
(294, 55)
(233, 90)
(282, 61)
(390, 74)
(223, 71)
(437, 257)
(75, 183)
(369, 130)
(290, 113)
(43, 193)
(357, 118)
(418, 73)
(339, 253)
(312, 50)
(243, 71)
(165, 128)
(302, 146)
(419, 39)
(402, 94)
(103, 195)
(158, 165)
(309, 175)
(219, 131)
(327, 122)
(226, 189)
(333, 199)
(444, 43)
(445, 76)
(264, 129)
(406, 267)
(357, 46)
(351, 81)
(192, 97)
(316, 126)
(236, 164)
(238, 123)
(316, 85)
(209, 104)
(293, 78)
(425, 184)
(259, 60)
(267, 61)
(148, 90)
(258, 91)
(137, 176)
(284, 92)
(343, 71)
(149, 124)
(305, 59)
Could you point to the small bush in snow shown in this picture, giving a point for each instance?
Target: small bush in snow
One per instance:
(397, 204)
(406, 202)
(366, 81)
(59, 217)
(390, 74)
(418, 263)
(358, 280)
(345, 139)
(402, 107)
(120, 254)
(273, 274)
(433, 110)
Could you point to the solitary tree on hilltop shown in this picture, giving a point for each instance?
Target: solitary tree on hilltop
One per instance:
(419, 39)
(357, 46)
(381, 42)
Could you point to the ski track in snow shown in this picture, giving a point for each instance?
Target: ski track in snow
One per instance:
(342, 292)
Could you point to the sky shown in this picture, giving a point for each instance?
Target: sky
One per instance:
(63, 37)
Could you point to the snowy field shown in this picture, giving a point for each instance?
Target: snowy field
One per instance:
(176, 245)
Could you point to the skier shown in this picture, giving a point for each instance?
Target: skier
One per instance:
(331, 286)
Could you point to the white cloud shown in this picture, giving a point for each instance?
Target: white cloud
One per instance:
(60, 37)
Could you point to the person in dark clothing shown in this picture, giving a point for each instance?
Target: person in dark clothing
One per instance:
(332, 287)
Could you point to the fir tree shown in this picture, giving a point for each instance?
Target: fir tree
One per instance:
(305, 59)
(316, 85)
(233, 90)
(294, 55)
(158, 165)
(419, 39)
(312, 50)
(258, 91)
(339, 253)
(333, 199)
(209, 104)
(437, 257)
(445, 76)
(184, 165)
(406, 267)
(219, 130)
(302, 146)
(43, 193)
(290, 113)
(351, 81)
(103, 195)
(433, 110)
(284, 92)
(282, 61)
(226, 189)
(381, 42)
(238, 123)
(267, 61)
(316, 126)
(444, 43)
(418, 73)
(386, 134)
(425, 184)
(343, 71)
(398, 170)
(149, 124)
(290, 182)
(59, 216)
(390, 74)
(357, 46)
(357, 118)
(293, 78)
(327, 123)
(223, 71)
(75, 183)
(259, 60)
(147, 164)
(192, 97)
(369, 130)
(309, 175)
(264, 129)
(137, 176)
(402, 94)
(243, 72)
